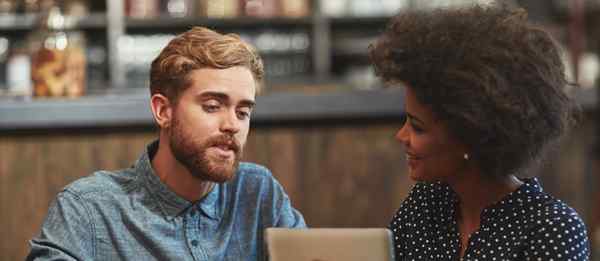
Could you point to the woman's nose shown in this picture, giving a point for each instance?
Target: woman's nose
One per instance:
(402, 135)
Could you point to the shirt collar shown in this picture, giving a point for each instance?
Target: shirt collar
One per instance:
(443, 193)
(516, 199)
(208, 205)
(171, 204)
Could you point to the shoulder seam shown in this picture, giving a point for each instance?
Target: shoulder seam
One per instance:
(90, 218)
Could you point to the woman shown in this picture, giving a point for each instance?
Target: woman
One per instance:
(484, 99)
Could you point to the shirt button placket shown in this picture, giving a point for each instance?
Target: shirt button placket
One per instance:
(192, 233)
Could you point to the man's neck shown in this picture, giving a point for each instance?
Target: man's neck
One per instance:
(176, 176)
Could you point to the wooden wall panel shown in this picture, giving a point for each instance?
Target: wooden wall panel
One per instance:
(345, 176)
(568, 171)
(337, 177)
(33, 169)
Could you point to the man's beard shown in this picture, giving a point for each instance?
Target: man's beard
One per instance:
(193, 155)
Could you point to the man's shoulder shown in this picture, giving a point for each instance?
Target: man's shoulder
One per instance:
(251, 177)
(254, 170)
(101, 182)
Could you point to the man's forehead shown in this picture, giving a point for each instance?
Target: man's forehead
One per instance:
(233, 83)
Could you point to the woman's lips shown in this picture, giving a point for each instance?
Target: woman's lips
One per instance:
(412, 161)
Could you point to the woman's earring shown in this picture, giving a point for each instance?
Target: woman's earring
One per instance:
(466, 156)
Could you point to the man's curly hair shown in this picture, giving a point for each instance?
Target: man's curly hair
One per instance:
(496, 81)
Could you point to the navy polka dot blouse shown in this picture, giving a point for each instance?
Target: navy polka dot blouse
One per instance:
(527, 224)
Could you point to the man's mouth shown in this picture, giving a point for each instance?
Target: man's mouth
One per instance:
(224, 151)
(224, 147)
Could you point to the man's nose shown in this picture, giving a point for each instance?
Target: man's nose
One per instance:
(230, 123)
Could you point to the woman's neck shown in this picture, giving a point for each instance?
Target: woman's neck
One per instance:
(475, 193)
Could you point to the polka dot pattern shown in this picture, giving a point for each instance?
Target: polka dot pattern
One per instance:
(527, 224)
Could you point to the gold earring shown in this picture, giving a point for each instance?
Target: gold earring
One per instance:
(466, 156)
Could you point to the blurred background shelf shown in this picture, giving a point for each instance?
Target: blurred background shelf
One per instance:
(240, 23)
(361, 21)
(28, 22)
(133, 109)
(127, 110)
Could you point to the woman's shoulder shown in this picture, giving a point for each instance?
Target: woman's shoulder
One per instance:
(546, 211)
(554, 227)
(543, 206)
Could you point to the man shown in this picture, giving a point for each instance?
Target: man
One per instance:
(187, 197)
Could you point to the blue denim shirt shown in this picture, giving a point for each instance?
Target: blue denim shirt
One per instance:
(131, 215)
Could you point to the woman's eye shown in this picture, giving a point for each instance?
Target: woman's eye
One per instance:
(416, 127)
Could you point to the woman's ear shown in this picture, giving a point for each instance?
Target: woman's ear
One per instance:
(162, 110)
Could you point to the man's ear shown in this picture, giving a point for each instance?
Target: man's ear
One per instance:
(162, 110)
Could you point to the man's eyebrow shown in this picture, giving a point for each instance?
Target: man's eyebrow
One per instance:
(217, 95)
(225, 98)
(247, 103)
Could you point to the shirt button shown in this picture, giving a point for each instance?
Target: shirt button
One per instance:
(194, 242)
(192, 213)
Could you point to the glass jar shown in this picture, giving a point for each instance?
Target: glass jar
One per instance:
(31, 7)
(7, 7)
(58, 61)
(76, 61)
(35, 7)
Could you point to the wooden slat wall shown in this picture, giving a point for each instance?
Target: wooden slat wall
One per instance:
(34, 168)
(337, 177)
(346, 176)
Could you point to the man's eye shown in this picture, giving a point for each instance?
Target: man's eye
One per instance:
(242, 115)
(210, 107)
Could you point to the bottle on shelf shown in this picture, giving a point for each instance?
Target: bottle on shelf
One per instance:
(7, 8)
(18, 66)
(334, 8)
(31, 8)
(58, 62)
(295, 8)
(178, 8)
(76, 8)
(218, 8)
(4, 49)
(261, 8)
(142, 9)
